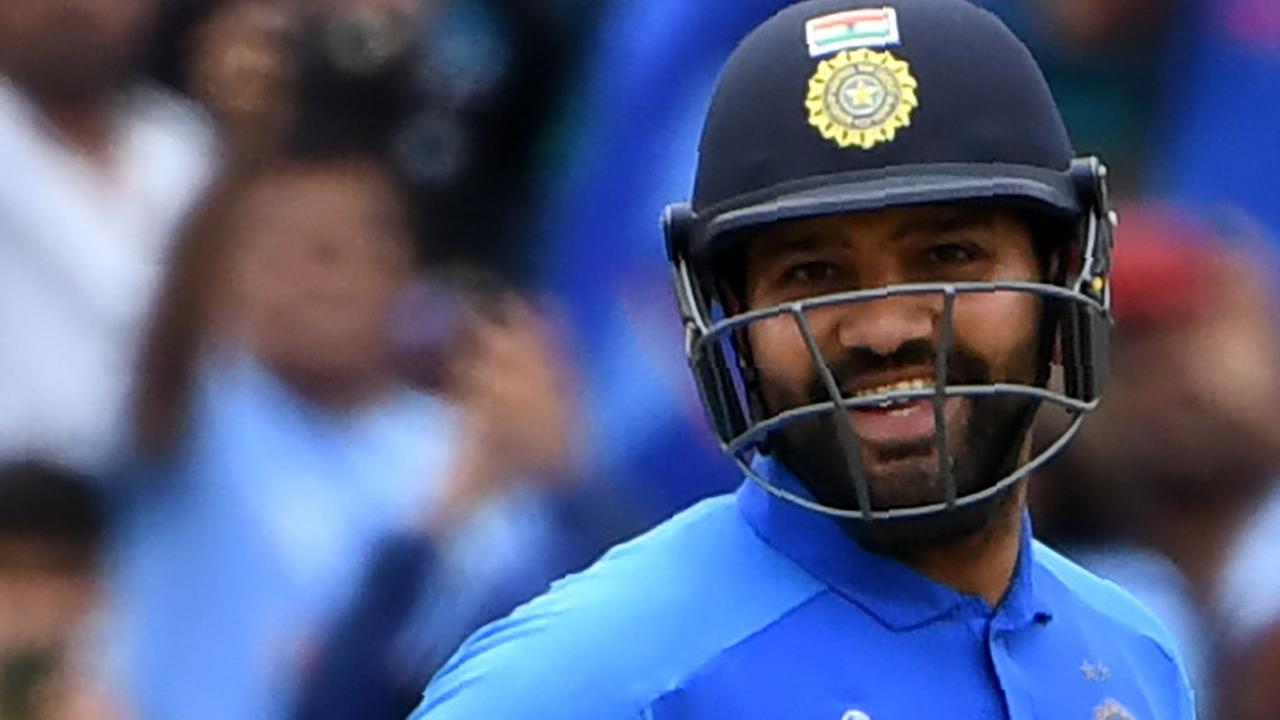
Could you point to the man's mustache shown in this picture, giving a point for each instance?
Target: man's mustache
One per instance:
(963, 367)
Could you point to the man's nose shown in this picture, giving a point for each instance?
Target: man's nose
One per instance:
(883, 326)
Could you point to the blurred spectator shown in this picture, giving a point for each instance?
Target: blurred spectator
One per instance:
(1161, 485)
(98, 169)
(470, 89)
(270, 70)
(479, 551)
(281, 445)
(240, 70)
(52, 528)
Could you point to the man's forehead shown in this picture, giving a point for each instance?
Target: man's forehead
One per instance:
(886, 224)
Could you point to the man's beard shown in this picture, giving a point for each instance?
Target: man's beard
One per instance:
(984, 446)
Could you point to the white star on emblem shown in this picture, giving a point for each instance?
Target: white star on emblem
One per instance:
(863, 93)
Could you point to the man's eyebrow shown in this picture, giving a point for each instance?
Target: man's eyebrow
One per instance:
(945, 221)
(807, 241)
(799, 242)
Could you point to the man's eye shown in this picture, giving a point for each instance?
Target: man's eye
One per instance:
(953, 253)
(814, 271)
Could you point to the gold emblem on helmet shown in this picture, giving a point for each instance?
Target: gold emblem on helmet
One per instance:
(861, 98)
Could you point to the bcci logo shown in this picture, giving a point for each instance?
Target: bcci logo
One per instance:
(861, 98)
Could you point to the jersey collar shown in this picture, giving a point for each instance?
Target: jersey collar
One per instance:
(898, 596)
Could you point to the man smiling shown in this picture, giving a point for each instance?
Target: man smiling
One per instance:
(884, 346)
(892, 262)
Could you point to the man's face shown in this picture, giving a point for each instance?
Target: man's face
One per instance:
(874, 346)
(68, 49)
(322, 252)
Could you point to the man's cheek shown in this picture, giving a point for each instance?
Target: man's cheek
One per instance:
(782, 358)
(1002, 329)
(783, 392)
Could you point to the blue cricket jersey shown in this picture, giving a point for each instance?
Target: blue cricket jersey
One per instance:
(749, 607)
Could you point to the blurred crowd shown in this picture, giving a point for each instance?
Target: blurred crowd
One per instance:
(332, 329)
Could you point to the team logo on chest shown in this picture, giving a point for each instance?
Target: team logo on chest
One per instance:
(862, 98)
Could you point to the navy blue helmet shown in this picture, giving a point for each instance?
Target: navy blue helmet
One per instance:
(843, 106)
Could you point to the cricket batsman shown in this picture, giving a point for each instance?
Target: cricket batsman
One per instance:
(892, 262)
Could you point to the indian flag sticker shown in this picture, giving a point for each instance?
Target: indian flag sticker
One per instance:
(852, 29)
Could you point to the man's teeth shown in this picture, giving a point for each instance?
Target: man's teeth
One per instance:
(894, 387)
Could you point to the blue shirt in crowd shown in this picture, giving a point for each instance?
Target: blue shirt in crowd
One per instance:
(235, 560)
(747, 606)
(232, 557)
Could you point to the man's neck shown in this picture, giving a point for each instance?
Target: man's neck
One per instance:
(981, 563)
(339, 394)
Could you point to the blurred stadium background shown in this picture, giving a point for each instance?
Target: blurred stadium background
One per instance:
(332, 329)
